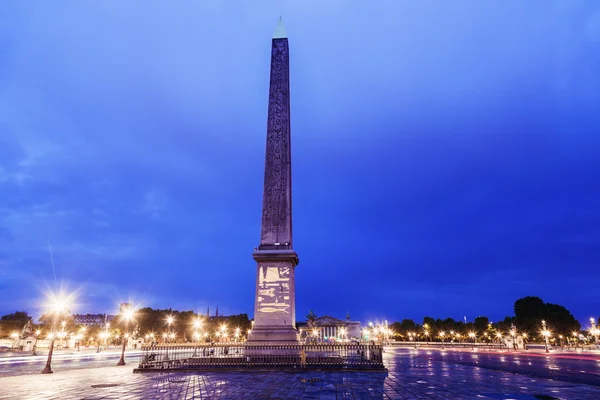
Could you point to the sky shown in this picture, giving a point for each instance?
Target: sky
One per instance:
(445, 154)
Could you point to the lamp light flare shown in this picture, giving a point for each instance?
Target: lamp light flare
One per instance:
(197, 323)
(128, 314)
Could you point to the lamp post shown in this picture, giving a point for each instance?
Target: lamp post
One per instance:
(442, 334)
(224, 332)
(170, 320)
(106, 335)
(37, 334)
(594, 330)
(197, 326)
(82, 331)
(472, 336)
(546, 334)
(58, 307)
(48, 368)
(101, 336)
(127, 315)
(343, 334)
(513, 334)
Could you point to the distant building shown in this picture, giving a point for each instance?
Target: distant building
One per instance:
(92, 319)
(329, 328)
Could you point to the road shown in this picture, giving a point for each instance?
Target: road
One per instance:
(565, 367)
(574, 368)
(27, 364)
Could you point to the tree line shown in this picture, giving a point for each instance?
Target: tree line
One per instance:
(529, 312)
(528, 315)
(180, 324)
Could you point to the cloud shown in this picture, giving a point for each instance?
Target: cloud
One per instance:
(154, 202)
(448, 149)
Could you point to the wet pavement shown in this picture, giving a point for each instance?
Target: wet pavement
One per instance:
(570, 368)
(411, 375)
(27, 364)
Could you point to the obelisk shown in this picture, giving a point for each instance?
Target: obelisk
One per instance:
(274, 306)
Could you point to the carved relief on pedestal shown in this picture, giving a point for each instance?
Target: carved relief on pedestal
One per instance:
(273, 292)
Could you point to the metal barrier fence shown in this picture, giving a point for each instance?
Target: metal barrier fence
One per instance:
(268, 355)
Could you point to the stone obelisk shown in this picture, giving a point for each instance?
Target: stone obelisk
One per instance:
(274, 306)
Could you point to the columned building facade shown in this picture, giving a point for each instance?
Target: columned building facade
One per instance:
(329, 328)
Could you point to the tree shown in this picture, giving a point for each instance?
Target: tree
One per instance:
(505, 325)
(52, 322)
(481, 323)
(449, 324)
(529, 311)
(240, 321)
(560, 319)
(14, 322)
(396, 327)
(408, 325)
(429, 322)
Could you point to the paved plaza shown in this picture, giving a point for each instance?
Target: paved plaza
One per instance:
(409, 377)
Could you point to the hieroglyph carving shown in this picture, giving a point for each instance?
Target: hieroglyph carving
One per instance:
(274, 290)
(277, 207)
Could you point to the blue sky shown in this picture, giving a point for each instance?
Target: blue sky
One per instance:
(444, 153)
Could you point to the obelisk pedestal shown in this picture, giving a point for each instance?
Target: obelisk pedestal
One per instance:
(274, 307)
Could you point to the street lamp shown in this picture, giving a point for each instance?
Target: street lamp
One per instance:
(127, 314)
(513, 334)
(57, 307)
(80, 336)
(546, 334)
(426, 331)
(102, 336)
(575, 338)
(224, 331)
(343, 334)
(472, 336)
(442, 334)
(37, 334)
(594, 330)
(170, 320)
